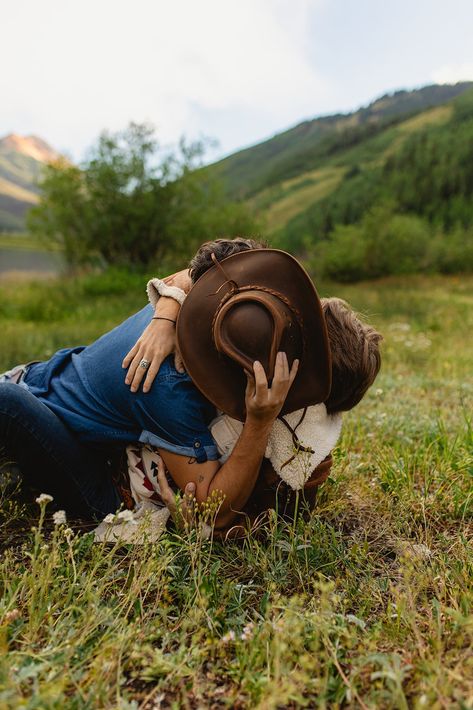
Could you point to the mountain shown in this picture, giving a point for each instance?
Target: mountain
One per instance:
(387, 189)
(290, 153)
(21, 161)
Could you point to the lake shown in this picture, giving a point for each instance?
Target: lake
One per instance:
(29, 262)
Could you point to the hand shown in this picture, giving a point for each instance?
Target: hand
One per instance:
(157, 341)
(264, 403)
(182, 509)
(181, 279)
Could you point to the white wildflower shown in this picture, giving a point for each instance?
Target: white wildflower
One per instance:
(379, 392)
(109, 519)
(229, 637)
(126, 516)
(247, 632)
(403, 327)
(59, 517)
(422, 551)
(44, 498)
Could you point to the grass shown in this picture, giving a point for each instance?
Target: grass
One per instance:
(23, 241)
(365, 605)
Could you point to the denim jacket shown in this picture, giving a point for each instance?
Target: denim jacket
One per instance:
(85, 387)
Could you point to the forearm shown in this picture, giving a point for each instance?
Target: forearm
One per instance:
(236, 479)
(167, 308)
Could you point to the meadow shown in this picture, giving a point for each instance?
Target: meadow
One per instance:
(367, 604)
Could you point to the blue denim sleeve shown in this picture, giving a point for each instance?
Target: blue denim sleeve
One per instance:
(177, 420)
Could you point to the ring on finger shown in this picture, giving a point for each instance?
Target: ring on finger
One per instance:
(145, 364)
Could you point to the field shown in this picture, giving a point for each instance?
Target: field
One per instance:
(367, 605)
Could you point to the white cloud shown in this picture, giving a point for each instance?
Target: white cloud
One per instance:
(451, 73)
(82, 67)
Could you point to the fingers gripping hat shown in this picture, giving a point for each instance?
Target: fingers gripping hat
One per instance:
(248, 307)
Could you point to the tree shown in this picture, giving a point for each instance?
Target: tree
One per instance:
(131, 203)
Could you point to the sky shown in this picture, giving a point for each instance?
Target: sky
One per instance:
(235, 71)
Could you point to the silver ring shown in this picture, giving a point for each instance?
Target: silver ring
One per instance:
(145, 364)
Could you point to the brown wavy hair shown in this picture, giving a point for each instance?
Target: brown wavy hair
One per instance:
(356, 358)
(202, 261)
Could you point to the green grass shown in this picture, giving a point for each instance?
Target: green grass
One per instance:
(26, 242)
(367, 604)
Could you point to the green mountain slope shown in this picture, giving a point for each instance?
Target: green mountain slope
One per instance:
(387, 189)
(301, 148)
(21, 161)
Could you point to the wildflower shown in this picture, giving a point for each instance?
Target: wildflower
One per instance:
(247, 632)
(44, 498)
(278, 625)
(126, 516)
(229, 637)
(109, 519)
(59, 517)
(379, 392)
(12, 615)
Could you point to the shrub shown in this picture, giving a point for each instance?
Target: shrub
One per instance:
(128, 204)
(385, 243)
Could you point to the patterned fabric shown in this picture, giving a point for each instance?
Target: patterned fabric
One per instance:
(143, 462)
(146, 515)
(15, 375)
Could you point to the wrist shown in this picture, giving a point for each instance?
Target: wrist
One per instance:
(167, 308)
(260, 425)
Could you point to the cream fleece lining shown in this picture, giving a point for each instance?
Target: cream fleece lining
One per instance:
(156, 288)
(318, 430)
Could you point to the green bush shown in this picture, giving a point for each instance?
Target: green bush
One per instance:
(388, 243)
(130, 205)
(453, 253)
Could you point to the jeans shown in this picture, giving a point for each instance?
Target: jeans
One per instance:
(51, 459)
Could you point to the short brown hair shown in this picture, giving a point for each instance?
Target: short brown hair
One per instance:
(202, 261)
(355, 355)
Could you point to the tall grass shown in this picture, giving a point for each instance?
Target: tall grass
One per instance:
(367, 604)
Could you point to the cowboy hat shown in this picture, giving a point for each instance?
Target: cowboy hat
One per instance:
(248, 307)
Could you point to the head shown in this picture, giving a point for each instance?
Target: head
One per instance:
(355, 355)
(354, 344)
(222, 248)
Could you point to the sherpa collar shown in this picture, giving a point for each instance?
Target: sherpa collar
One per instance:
(318, 431)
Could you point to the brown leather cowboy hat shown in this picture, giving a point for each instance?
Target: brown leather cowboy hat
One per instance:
(248, 307)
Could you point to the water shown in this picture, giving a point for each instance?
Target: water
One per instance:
(29, 262)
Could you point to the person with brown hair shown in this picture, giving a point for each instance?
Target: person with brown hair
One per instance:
(354, 364)
(245, 418)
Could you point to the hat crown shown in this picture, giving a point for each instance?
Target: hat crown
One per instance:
(255, 324)
(216, 351)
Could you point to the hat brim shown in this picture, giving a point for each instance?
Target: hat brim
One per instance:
(221, 380)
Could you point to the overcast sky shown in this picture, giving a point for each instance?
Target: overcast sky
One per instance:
(234, 70)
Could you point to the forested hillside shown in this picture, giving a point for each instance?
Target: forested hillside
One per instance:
(299, 149)
(387, 189)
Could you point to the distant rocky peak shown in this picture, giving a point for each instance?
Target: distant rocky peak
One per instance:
(32, 146)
